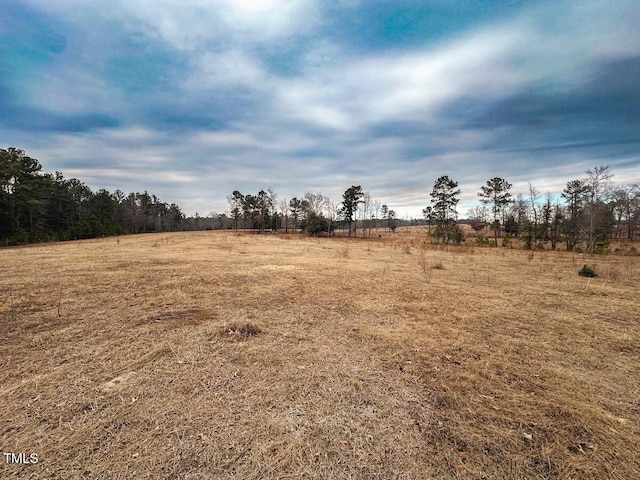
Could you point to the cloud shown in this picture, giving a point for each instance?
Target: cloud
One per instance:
(194, 25)
(193, 99)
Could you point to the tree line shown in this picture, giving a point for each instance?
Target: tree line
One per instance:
(313, 213)
(37, 206)
(589, 213)
(592, 213)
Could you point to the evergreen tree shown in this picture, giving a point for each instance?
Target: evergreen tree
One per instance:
(444, 198)
(496, 193)
(575, 196)
(351, 198)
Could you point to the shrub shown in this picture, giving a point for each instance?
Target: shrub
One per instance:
(602, 242)
(587, 272)
(457, 235)
(482, 241)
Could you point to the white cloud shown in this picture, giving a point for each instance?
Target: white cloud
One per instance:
(488, 64)
(230, 69)
(312, 129)
(403, 87)
(198, 24)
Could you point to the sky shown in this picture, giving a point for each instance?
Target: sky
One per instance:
(193, 99)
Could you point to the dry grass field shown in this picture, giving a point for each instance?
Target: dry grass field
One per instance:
(212, 355)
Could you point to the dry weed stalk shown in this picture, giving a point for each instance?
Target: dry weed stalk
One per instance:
(424, 267)
(59, 299)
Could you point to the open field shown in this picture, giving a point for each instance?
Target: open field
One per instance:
(212, 355)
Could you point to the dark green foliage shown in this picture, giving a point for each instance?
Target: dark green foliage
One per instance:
(296, 208)
(602, 241)
(38, 207)
(510, 226)
(457, 235)
(351, 198)
(482, 241)
(236, 201)
(442, 214)
(587, 272)
(575, 195)
(256, 212)
(391, 220)
(448, 232)
(315, 224)
(496, 193)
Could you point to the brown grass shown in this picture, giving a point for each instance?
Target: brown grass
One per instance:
(228, 356)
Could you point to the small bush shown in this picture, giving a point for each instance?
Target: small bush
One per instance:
(587, 272)
(482, 241)
(457, 235)
(602, 242)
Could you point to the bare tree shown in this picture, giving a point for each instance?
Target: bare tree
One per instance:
(478, 216)
(272, 202)
(596, 182)
(284, 213)
(332, 212)
(533, 209)
(634, 211)
(376, 211)
(315, 202)
(366, 212)
(518, 213)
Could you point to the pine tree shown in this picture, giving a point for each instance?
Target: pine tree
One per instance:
(496, 193)
(351, 198)
(445, 198)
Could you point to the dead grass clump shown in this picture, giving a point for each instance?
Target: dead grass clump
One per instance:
(183, 317)
(239, 330)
